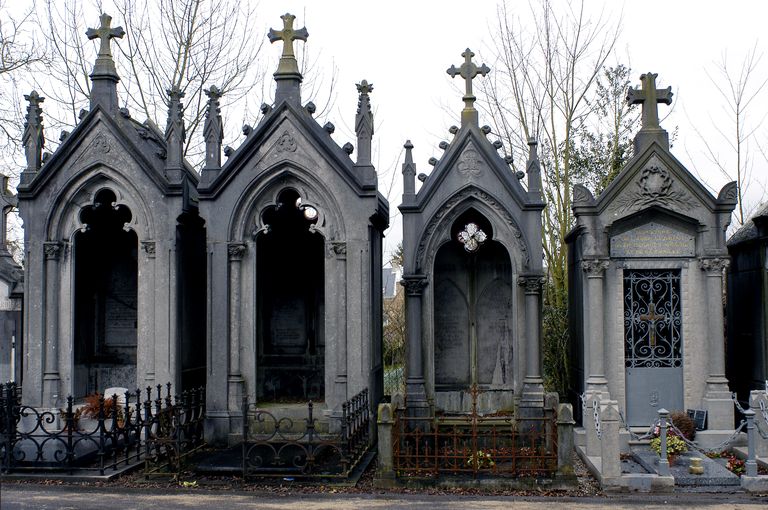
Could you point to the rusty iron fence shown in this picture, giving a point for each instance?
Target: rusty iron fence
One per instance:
(474, 445)
(278, 446)
(119, 433)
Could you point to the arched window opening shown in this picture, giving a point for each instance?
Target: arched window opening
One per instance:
(106, 295)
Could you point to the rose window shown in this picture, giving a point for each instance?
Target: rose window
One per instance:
(472, 237)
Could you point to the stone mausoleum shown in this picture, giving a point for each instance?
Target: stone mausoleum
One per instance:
(11, 293)
(114, 267)
(748, 305)
(259, 277)
(294, 252)
(647, 260)
(472, 273)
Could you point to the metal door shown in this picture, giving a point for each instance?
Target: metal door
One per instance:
(652, 344)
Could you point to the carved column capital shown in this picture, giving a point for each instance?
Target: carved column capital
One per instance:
(414, 284)
(337, 249)
(594, 267)
(149, 248)
(714, 266)
(531, 283)
(236, 251)
(52, 249)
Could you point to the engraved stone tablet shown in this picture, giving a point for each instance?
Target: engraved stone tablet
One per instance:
(653, 240)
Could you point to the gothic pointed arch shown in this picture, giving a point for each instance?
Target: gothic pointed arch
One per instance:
(438, 229)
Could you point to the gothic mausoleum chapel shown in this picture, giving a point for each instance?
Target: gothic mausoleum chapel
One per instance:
(473, 273)
(647, 260)
(259, 278)
(294, 248)
(114, 250)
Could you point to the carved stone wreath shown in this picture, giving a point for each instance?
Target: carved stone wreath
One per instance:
(459, 197)
(655, 186)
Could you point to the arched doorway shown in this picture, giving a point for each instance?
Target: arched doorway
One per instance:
(472, 308)
(290, 364)
(105, 291)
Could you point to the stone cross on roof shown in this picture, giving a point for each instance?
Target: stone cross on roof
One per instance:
(649, 96)
(105, 33)
(288, 34)
(468, 70)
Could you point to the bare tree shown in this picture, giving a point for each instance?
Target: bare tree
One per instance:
(739, 86)
(18, 51)
(190, 44)
(544, 87)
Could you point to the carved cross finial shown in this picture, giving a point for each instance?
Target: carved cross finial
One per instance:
(288, 34)
(105, 33)
(649, 96)
(468, 70)
(213, 129)
(32, 137)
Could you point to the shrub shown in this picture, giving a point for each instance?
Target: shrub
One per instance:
(684, 424)
(91, 407)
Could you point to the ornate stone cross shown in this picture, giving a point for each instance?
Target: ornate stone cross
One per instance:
(288, 34)
(652, 317)
(649, 96)
(468, 70)
(105, 33)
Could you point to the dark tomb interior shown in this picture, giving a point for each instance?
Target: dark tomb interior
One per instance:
(105, 298)
(190, 253)
(290, 301)
(472, 311)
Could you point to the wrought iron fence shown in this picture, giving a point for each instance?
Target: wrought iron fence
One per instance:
(116, 434)
(476, 445)
(278, 446)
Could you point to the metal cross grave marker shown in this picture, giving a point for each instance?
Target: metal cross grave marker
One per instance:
(468, 70)
(288, 34)
(652, 317)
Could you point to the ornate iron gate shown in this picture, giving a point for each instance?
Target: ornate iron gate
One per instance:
(653, 344)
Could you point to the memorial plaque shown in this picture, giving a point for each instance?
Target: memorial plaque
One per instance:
(494, 342)
(288, 330)
(120, 317)
(653, 240)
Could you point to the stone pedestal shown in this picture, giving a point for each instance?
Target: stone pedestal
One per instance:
(609, 442)
(385, 471)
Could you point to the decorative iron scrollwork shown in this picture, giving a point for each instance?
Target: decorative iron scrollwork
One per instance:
(652, 319)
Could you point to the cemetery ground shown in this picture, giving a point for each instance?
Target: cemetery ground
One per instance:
(191, 490)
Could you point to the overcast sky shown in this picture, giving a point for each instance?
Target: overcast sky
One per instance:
(404, 48)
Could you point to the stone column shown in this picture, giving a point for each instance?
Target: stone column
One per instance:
(51, 377)
(235, 252)
(594, 335)
(533, 384)
(146, 340)
(416, 396)
(717, 399)
(338, 252)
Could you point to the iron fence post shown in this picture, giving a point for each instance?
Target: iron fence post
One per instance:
(751, 463)
(101, 435)
(663, 461)
(69, 423)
